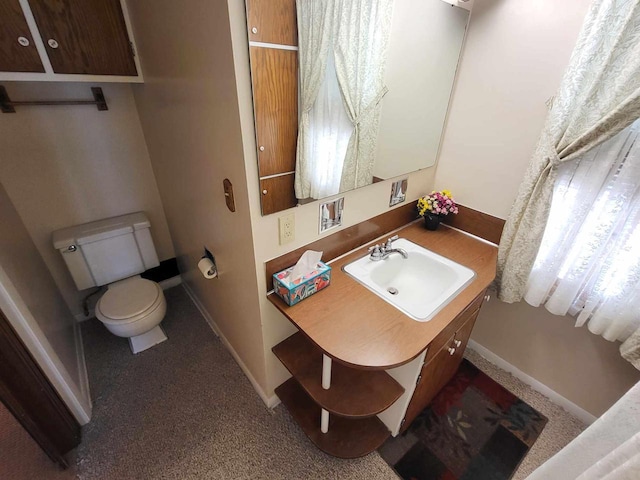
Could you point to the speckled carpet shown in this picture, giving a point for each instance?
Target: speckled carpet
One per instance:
(184, 410)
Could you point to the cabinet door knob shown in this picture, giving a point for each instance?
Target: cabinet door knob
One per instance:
(264, 192)
(451, 350)
(52, 43)
(262, 148)
(457, 343)
(23, 41)
(254, 30)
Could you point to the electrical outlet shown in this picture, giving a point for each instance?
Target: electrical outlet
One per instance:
(287, 228)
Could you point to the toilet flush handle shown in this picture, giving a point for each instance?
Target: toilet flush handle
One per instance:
(71, 248)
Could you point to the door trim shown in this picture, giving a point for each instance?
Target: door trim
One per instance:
(28, 395)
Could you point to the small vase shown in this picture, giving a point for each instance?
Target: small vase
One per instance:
(431, 221)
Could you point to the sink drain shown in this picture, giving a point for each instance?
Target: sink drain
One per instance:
(392, 291)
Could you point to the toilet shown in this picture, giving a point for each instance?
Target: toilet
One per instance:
(114, 252)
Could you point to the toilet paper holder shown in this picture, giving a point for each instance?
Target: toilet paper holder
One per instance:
(207, 265)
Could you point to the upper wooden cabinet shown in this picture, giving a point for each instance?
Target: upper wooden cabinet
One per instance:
(272, 21)
(67, 40)
(18, 52)
(85, 36)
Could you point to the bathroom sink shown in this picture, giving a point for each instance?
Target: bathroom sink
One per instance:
(420, 285)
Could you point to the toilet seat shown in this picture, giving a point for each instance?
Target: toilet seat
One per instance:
(129, 301)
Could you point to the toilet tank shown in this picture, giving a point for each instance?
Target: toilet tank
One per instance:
(105, 251)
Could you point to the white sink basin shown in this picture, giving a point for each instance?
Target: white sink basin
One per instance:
(420, 286)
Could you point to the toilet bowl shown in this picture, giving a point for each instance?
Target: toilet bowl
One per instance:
(133, 308)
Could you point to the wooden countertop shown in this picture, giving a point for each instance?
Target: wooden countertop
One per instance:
(356, 327)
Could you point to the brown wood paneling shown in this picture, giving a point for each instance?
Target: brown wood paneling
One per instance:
(91, 34)
(276, 194)
(13, 56)
(477, 223)
(31, 399)
(346, 438)
(356, 327)
(353, 393)
(341, 242)
(274, 74)
(274, 20)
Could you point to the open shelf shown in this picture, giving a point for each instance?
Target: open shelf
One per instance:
(346, 438)
(353, 393)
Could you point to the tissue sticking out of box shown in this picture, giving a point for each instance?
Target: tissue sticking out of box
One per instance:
(308, 263)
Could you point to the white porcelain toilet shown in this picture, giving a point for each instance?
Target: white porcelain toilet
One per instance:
(113, 252)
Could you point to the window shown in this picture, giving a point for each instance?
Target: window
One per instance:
(589, 262)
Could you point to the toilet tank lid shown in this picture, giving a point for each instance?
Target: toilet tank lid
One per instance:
(99, 230)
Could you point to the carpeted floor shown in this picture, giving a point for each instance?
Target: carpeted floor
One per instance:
(184, 409)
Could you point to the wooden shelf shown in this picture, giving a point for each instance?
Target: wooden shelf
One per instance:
(353, 393)
(346, 438)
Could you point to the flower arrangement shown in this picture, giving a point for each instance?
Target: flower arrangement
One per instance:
(437, 203)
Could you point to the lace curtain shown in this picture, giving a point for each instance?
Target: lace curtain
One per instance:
(343, 51)
(588, 264)
(599, 96)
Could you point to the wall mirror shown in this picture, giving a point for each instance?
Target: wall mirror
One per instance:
(424, 46)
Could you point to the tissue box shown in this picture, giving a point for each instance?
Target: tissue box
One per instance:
(301, 288)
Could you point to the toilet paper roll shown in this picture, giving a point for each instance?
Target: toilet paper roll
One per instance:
(208, 268)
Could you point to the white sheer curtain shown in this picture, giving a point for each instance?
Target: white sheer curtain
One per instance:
(588, 264)
(329, 132)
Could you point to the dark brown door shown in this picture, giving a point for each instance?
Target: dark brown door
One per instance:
(85, 36)
(32, 400)
(18, 53)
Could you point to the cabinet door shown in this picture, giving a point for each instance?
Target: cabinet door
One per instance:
(272, 21)
(439, 370)
(433, 377)
(85, 36)
(18, 53)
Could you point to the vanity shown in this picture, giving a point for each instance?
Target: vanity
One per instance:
(384, 367)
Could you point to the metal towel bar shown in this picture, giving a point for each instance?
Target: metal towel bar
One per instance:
(8, 106)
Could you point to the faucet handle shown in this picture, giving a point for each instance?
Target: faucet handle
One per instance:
(390, 240)
(376, 252)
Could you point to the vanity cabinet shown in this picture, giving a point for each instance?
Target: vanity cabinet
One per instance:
(79, 40)
(443, 358)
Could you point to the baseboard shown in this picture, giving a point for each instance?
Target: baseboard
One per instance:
(82, 367)
(540, 387)
(165, 284)
(271, 401)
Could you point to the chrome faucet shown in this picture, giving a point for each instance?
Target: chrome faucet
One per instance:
(382, 252)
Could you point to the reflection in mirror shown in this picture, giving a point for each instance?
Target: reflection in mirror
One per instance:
(374, 89)
(398, 192)
(331, 214)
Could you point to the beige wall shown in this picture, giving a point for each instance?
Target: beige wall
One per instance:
(37, 311)
(63, 166)
(360, 204)
(189, 113)
(514, 58)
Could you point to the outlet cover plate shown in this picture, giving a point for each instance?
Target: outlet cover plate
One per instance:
(287, 228)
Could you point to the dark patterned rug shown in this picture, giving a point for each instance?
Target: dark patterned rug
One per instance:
(474, 429)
